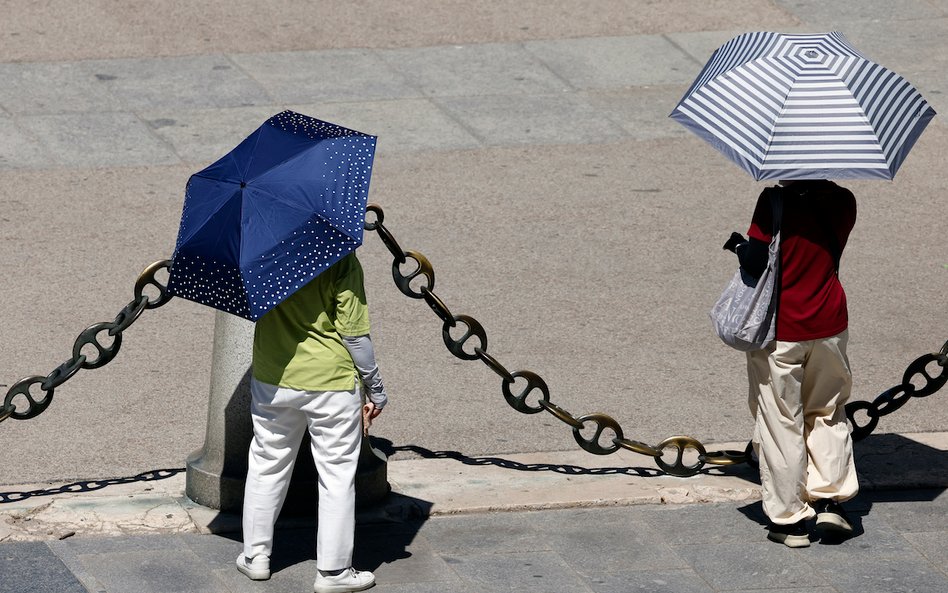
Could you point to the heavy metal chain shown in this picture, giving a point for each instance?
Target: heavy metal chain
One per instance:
(892, 399)
(599, 433)
(596, 433)
(20, 404)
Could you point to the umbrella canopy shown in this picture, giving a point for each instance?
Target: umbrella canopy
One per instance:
(803, 107)
(272, 214)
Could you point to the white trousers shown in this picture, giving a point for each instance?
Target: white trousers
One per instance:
(280, 417)
(798, 391)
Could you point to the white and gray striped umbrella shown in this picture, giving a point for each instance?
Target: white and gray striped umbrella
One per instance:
(804, 107)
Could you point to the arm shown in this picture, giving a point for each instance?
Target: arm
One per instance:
(752, 254)
(363, 356)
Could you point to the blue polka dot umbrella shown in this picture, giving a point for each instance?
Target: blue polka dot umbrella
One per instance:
(804, 107)
(268, 217)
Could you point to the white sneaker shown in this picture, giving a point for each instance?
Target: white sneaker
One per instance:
(831, 517)
(256, 569)
(348, 580)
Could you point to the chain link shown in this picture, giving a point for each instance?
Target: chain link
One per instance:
(31, 405)
(887, 402)
(601, 434)
(890, 400)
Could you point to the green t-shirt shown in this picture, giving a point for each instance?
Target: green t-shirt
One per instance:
(297, 344)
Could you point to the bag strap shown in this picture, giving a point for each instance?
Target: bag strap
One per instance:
(776, 204)
(835, 251)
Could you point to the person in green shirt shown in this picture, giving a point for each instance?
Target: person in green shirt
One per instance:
(311, 353)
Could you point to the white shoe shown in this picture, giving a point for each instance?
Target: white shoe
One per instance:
(348, 580)
(831, 517)
(256, 569)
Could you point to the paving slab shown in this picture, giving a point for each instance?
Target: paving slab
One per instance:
(404, 125)
(581, 536)
(102, 29)
(202, 136)
(32, 568)
(102, 139)
(525, 148)
(895, 575)
(611, 62)
(530, 120)
(53, 88)
(578, 549)
(18, 148)
(186, 82)
(474, 70)
(933, 545)
(650, 581)
(329, 75)
(641, 112)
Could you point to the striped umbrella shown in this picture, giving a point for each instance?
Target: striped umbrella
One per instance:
(804, 107)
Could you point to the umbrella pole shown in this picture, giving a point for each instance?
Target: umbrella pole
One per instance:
(217, 471)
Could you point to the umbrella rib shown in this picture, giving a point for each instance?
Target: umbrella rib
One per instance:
(250, 158)
(279, 198)
(305, 211)
(194, 230)
(301, 153)
(304, 215)
(780, 103)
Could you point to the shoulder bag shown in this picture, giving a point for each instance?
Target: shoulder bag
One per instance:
(745, 315)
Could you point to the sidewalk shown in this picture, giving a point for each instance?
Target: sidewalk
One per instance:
(498, 122)
(557, 521)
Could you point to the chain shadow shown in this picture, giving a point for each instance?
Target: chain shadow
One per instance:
(389, 448)
(740, 470)
(90, 485)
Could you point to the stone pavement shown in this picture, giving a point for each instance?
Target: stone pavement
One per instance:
(525, 149)
(901, 544)
(545, 522)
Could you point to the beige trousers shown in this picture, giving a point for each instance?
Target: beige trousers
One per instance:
(798, 391)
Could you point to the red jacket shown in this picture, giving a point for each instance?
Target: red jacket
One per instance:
(817, 218)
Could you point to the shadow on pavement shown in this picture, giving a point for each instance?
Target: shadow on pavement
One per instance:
(386, 446)
(891, 468)
(90, 485)
(738, 470)
(375, 544)
(892, 461)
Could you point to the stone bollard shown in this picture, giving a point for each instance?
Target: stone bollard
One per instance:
(216, 472)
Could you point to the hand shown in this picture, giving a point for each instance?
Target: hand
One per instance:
(735, 240)
(369, 413)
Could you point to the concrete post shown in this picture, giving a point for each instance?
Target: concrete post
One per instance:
(216, 472)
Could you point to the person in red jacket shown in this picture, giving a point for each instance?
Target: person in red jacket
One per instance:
(800, 382)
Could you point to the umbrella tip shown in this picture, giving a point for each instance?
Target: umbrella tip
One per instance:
(243, 184)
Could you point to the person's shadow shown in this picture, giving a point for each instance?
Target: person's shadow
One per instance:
(891, 468)
(376, 544)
